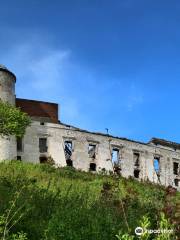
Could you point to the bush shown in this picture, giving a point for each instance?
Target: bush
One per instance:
(68, 204)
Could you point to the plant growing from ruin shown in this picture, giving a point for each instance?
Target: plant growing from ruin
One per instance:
(145, 223)
(50, 203)
(12, 120)
(11, 217)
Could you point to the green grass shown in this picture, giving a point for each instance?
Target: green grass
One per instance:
(66, 204)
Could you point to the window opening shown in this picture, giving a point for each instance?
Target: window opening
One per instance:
(175, 168)
(19, 144)
(92, 167)
(43, 145)
(92, 150)
(136, 157)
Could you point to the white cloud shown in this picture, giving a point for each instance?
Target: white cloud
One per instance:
(41, 68)
(47, 71)
(86, 97)
(42, 72)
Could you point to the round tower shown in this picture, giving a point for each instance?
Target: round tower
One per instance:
(7, 94)
(7, 85)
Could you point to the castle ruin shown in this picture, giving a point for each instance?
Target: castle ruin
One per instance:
(48, 138)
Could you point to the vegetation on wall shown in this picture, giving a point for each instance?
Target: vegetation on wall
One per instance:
(44, 203)
(12, 120)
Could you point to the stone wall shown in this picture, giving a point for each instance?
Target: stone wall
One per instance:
(7, 87)
(58, 134)
(7, 94)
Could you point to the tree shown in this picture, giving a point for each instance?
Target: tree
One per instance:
(12, 120)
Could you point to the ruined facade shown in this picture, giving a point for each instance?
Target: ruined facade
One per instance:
(48, 138)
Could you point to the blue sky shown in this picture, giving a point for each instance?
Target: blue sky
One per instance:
(108, 64)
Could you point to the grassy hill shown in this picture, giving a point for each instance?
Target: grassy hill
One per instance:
(65, 204)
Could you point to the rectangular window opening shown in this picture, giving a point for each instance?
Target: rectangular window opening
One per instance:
(69, 163)
(43, 145)
(43, 159)
(19, 158)
(176, 182)
(68, 152)
(175, 168)
(156, 163)
(136, 157)
(92, 167)
(115, 156)
(19, 144)
(92, 150)
(136, 173)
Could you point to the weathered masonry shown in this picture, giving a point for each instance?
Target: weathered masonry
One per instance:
(48, 138)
